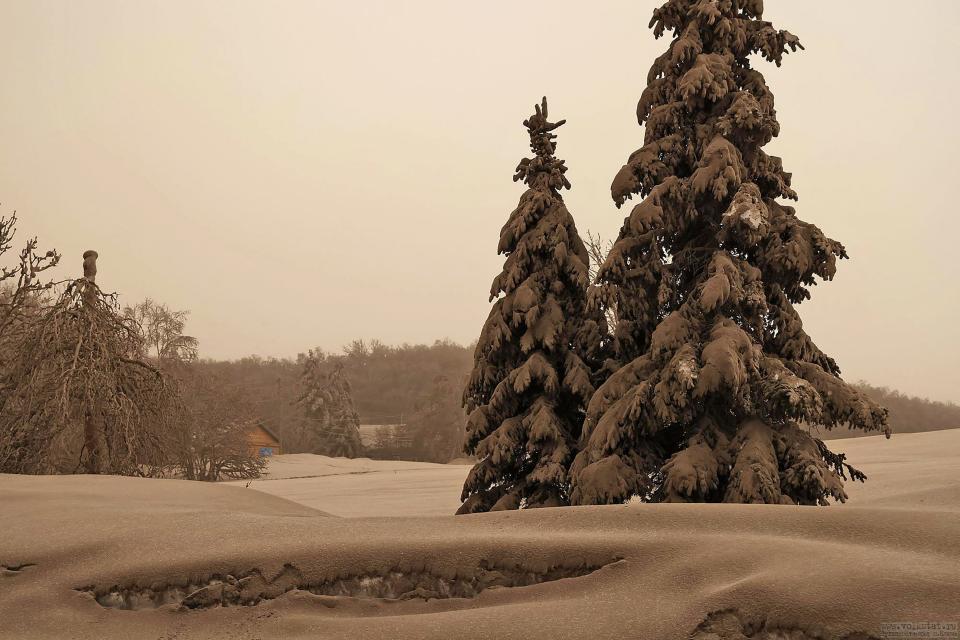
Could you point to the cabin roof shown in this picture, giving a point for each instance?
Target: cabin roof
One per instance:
(266, 430)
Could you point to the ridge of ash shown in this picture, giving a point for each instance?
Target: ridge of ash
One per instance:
(252, 587)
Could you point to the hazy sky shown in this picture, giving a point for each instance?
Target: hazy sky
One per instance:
(300, 174)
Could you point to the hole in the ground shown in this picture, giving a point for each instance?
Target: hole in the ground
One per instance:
(252, 587)
(731, 624)
(16, 568)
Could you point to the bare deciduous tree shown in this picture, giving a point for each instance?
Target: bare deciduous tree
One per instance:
(598, 248)
(161, 329)
(20, 285)
(213, 441)
(74, 394)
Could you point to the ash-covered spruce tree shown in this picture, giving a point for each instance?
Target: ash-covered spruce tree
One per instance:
(533, 363)
(716, 372)
(332, 425)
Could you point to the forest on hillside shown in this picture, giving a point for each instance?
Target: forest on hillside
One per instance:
(420, 384)
(908, 414)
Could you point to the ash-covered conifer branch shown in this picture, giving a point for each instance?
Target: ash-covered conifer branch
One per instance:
(837, 461)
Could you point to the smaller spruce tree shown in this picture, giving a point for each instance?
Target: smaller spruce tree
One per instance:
(333, 427)
(532, 374)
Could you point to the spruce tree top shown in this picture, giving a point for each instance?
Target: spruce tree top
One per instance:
(717, 369)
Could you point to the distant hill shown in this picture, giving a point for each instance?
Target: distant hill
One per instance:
(421, 385)
(908, 414)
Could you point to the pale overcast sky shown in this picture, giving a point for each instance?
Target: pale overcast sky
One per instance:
(305, 173)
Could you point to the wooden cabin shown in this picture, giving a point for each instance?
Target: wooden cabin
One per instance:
(262, 441)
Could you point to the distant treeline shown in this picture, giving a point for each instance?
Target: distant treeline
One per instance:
(390, 381)
(422, 385)
(419, 385)
(908, 414)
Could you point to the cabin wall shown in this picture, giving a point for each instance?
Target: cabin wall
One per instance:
(262, 443)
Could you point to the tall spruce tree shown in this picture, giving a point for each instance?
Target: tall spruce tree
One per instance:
(533, 362)
(716, 369)
(333, 425)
